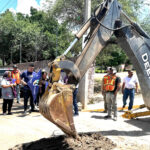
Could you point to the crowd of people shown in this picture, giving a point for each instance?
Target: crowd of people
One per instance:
(111, 84)
(13, 80)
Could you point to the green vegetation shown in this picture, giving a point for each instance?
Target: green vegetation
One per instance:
(40, 36)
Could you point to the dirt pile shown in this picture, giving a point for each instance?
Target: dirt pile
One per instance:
(90, 141)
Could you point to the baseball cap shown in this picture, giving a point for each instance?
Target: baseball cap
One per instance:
(31, 65)
(114, 69)
(15, 66)
(108, 68)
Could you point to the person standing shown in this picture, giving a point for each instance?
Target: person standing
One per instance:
(111, 88)
(103, 92)
(75, 105)
(129, 87)
(27, 76)
(43, 83)
(75, 92)
(7, 92)
(16, 76)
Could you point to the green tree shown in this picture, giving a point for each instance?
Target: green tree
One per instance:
(7, 25)
(72, 12)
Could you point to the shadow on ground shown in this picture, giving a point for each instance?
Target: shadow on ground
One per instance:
(142, 123)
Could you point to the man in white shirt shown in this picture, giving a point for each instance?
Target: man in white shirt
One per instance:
(129, 87)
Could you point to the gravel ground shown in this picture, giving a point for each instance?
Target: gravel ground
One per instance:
(126, 134)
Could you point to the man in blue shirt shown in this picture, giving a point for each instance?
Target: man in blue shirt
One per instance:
(27, 76)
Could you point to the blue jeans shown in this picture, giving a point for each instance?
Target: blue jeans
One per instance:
(75, 101)
(18, 92)
(130, 93)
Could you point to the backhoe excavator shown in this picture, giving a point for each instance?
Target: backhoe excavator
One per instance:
(56, 103)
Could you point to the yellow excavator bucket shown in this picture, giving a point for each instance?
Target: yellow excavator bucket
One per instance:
(56, 106)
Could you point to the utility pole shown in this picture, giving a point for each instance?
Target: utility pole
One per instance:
(20, 52)
(36, 48)
(11, 57)
(83, 85)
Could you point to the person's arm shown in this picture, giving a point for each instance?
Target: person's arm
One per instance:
(123, 85)
(118, 85)
(4, 85)
(40, 86)
(102, 87)
(136, 87)
(22, 81)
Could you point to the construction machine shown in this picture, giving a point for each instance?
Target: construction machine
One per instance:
(106, 22)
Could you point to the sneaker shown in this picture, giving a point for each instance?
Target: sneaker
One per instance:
(9, 113)
(115, 118)
(123, 106)
(107, 117)
(36, 108)
(4, 114)
(76, 114)
(25, 112)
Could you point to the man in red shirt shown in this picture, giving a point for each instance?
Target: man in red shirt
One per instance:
(16, 76)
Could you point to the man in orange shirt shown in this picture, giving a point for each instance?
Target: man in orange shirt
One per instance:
(16, 76)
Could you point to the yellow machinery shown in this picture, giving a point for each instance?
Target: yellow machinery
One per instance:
(132, 115)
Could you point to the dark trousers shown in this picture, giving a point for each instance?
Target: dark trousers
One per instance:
(7, 102)
(75, 101)
(27, 95)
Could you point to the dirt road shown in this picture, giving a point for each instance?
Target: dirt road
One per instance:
(127, 134)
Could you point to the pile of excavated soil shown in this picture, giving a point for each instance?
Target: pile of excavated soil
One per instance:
(88, 141)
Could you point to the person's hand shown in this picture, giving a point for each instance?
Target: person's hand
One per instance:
(11, 85)
(50, 85)
(40, 91)
(115, 93)
(136, 91)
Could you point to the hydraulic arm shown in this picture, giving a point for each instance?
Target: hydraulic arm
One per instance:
(56, 104)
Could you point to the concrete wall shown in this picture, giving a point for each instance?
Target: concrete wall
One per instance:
(23, 66)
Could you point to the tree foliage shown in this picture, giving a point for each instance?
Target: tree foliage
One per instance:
(72, 12)
(41, 36)
(37, 37)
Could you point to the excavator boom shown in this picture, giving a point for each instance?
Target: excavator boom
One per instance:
(56, 104)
